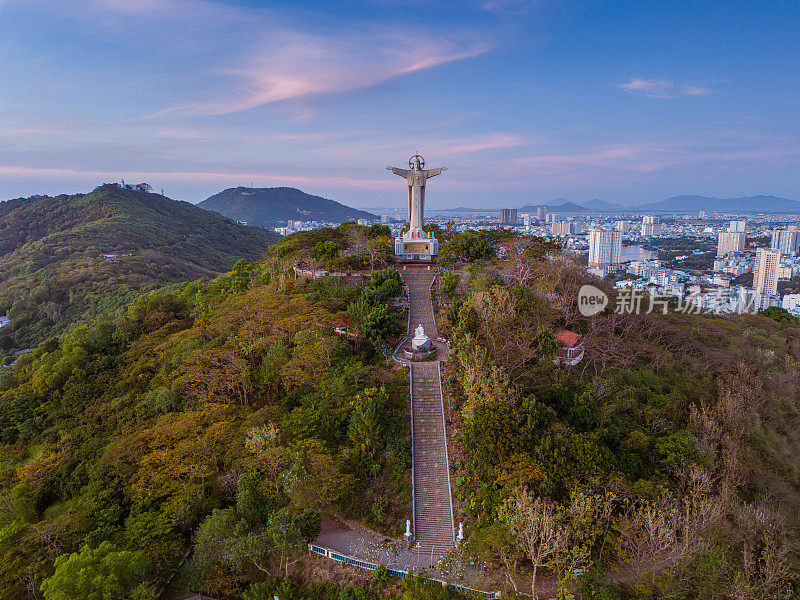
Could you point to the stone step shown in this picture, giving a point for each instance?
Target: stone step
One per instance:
(433, 520)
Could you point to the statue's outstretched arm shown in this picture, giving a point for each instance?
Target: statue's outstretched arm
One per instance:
(434, 172)
(400, 172)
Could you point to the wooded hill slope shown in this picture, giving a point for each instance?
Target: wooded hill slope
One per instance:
(52, 268)
(222, 415)
(274, 206)
(666, 464)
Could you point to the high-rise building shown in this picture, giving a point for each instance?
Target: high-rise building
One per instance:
(765, 273)
(702, 214)
(621, 226)
(730, 241)
(786, 240)
(552, 218)
(508, 216)
(737, 227)
(605, 248)
(565, 227)
(526, 219)
(541, 213)
(650, 226)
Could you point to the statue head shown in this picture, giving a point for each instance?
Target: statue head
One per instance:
(416, 162)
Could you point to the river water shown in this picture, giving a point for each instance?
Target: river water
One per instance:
(636, 253)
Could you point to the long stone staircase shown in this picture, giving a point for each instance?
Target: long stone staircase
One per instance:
(433, 507)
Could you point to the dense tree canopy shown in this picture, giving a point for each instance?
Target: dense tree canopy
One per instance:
(223, 414)
(72, 258)
(669, 431)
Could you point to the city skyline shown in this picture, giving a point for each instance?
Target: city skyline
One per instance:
(628, 104)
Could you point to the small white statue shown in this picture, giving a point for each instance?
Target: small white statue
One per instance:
(420, 341)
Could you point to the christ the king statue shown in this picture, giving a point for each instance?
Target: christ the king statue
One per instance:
(415, 244)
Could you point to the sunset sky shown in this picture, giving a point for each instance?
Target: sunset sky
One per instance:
(524, 101)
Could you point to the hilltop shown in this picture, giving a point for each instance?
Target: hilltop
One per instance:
(226, 417)
(61, 256)
(270, 206)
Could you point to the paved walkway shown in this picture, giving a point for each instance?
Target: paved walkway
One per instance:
(433, 525)
(432, 502)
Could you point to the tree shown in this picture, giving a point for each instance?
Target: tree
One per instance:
(363, 242)
(285, 537)
(378, 324)
(379, 230)
(449, 284)
(778, 314)
(419, 588)
(365, 429)
(103, 573)
(251, 504)
(535, 527)
(327, 250)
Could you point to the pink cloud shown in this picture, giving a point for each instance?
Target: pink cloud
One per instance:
(662, 88)
(637, 157)
(259, 178)
(295, 65)
(694, 90)
(648, 87)
(493, 141)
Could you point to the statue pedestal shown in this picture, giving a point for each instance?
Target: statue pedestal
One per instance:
(416, 248)
(416, 244)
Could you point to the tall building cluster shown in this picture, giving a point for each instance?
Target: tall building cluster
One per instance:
(765, 272)
(786, 240)
(733, 239)
(650, 226)
(566, 228)
(605, 248)
(508, 216)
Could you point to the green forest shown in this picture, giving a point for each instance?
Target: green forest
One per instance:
(198, 436)
(664, 465)
(222, 415)
(69, 258)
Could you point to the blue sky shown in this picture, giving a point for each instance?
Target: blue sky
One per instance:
(524, 101)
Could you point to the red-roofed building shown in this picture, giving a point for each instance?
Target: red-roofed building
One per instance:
(570, 351)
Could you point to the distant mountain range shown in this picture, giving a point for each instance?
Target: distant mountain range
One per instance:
(273, 206)
(676, 204)
(754, 204)
(565, 207)
(65, 258)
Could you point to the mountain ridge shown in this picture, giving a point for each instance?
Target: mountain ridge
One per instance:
(64, 255)
(270, 206)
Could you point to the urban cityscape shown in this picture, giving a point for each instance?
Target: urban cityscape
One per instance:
(710, 261)
(399, 300)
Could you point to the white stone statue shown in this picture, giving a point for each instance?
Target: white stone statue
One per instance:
(420, 341)
(416, 176)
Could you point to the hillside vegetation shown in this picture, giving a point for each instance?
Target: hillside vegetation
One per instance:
(222, 415)
(664, 465)
(271, 206)
(53, 272)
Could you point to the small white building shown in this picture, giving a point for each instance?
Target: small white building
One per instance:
(790, 302)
